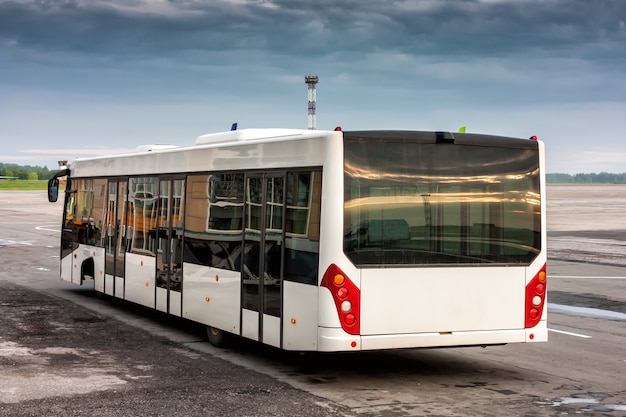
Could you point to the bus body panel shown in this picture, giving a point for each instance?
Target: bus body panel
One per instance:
(300, 321)
(120, 289)
(441, 300)
(139, 277)
(333, 339)
(171, 300)
(176, 303)
(204, 158)
(114, 286)
(212, 296)
(67, 265)
(161, 299)
(109, 283)
(271, 330)
(99, 280)
(327, 313)
(539, 333)
(436, 339)
(98, 259)
(73, 263)
(250, 324)
(331, 232)
(99, 284)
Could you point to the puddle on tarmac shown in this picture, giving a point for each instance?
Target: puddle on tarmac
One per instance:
(586, 311)
(590, 402)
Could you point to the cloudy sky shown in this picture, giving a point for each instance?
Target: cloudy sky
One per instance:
(87, 77)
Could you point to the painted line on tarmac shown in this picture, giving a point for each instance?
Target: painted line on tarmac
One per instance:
(8, 242)
(48, 228)
(584, 336)
(582, 277)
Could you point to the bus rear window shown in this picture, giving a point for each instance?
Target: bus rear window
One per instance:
(412, 201)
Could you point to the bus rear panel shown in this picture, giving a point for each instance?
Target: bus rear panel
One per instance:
(444, 240)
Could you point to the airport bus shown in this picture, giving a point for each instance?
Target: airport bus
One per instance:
(311, 240)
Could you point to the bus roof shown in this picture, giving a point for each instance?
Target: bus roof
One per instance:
(234, 136)
(208, 152)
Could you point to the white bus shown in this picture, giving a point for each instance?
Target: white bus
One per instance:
(313, 240)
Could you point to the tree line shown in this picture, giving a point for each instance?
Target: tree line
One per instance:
(591, 178)
(25, 172)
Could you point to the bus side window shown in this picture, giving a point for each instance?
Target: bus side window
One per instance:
(213, 221)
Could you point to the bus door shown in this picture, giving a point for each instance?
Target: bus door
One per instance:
(169, 264)
(262, 266)
(115, 238)
(69, 242)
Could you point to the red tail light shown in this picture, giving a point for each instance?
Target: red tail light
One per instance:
(347, 298)
(535, 298)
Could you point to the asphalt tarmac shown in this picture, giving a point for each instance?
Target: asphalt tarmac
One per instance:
(60, 362)
(62, 352)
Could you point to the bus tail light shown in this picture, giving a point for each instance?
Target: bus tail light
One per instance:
(535, 298)
(347, 298)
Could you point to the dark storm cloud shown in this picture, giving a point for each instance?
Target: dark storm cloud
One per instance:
(317, 28)
(141, 71)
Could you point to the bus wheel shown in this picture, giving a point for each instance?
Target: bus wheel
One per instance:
(217, 337)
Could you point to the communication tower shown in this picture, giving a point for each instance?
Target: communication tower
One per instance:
(311, 81)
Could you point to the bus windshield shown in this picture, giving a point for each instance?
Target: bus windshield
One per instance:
(411, 199)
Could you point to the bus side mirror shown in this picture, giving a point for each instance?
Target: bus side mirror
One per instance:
(53, 190)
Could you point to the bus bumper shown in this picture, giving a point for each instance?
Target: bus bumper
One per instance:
(333, 340)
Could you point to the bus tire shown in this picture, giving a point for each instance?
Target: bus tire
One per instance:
(216, 336)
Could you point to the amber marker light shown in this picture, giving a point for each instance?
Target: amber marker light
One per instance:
(339, 279)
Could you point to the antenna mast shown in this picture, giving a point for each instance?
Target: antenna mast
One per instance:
(311, 81)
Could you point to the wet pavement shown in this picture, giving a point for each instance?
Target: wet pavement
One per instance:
(55, 362)
(587, 223)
